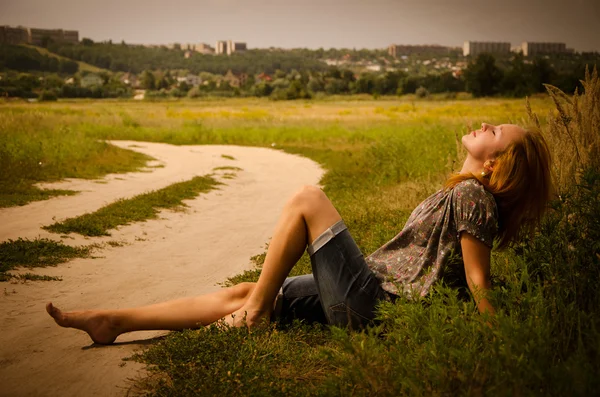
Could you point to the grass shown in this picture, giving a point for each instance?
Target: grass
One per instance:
(28, 277)
(82, 65)
(136, 209)
(193, 355)
(21, 192)
(227, 168)
(36, 148)
(35, 253)
(382, 158)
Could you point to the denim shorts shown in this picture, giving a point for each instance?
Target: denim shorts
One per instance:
(342, 290)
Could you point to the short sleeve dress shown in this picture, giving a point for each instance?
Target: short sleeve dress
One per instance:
(417, 257)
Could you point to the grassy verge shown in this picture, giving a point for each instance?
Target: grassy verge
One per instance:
(35, 253)
(139, 208)
(21, 192)
(42, 148)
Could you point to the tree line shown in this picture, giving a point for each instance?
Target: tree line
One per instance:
(137, 58)
(295, 74)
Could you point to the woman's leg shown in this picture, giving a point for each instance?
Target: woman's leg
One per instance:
(308, 214)
(104, 326)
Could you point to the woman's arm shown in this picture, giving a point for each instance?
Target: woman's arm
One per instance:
(476, 257)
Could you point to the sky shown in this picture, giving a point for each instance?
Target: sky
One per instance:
(316, 23)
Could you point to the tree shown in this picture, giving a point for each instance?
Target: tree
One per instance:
(336, 86)
(348, 76)
(280, 74)
(297, 91)
(365, 84)
(541, 73)
(517, 79)
(483, 77)
(262, 89)
(315, 84)
(390, 82)
(162, 82)
(46, 41)
(148, 81)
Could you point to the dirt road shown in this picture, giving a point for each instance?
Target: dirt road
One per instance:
(181, 254)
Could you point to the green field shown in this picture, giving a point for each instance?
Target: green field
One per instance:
(382, 157)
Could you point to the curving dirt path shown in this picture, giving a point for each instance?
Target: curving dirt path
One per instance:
(181, 254)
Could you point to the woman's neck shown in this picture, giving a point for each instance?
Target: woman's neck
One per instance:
(471, 166)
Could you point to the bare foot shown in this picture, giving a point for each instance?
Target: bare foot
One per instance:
(97, 324)
(248, 317)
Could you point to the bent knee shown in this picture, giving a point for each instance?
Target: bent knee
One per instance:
(242, 290)
(308, 195)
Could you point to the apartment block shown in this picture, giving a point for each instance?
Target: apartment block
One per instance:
(233, 46)
(35, 36)
(229, 47)
(531, 48)
(10, 35)
(474, 48)
(221, 47)
(204, 48)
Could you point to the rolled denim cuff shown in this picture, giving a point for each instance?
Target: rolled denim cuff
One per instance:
(324, 238)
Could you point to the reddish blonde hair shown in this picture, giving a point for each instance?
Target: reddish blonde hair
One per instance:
(521, 184)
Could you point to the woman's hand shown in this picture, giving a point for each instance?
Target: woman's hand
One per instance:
(476, 257)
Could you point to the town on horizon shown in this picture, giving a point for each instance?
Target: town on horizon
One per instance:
(37, 36)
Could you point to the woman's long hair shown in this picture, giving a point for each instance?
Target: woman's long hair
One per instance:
(521, 184)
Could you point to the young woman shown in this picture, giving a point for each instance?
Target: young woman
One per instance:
(500, 193)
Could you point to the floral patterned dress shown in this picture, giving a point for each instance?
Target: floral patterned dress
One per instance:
(418, 256)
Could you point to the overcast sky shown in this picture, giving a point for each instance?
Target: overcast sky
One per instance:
(316, 23)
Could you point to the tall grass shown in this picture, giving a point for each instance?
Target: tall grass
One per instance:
(572, 131)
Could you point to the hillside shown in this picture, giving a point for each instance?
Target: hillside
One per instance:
(83, 66)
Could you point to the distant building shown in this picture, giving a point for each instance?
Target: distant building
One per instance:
(10, 35)
(221, 47)
(396, 50)
(264, 77)
(232, 79)
(35, 36)
(229, 47)
(531, 49)
(130, 79)
(233, 46)
(474, 48)
(235, 80)
(190, 80)
(204, 48)
(70, 36)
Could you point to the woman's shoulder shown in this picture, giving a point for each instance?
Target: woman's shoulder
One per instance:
(472, 189)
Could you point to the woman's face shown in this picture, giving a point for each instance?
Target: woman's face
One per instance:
(484, 144)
